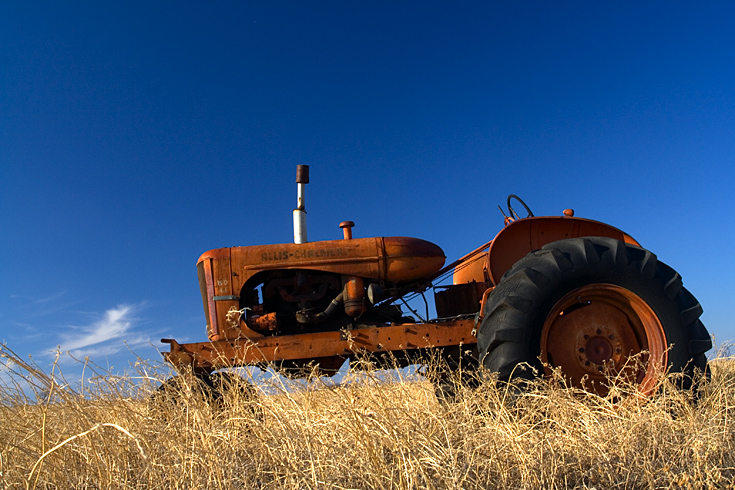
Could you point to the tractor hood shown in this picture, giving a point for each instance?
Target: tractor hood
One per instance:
(390, 260)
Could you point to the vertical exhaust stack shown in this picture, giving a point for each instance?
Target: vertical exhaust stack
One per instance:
(299, 214)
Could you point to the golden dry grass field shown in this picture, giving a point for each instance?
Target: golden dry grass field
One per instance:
(368, 433)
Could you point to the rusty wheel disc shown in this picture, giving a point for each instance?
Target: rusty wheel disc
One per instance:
(600, 332)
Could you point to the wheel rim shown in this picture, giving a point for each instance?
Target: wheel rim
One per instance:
(600, 332)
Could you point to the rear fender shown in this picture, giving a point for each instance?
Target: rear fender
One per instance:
(523, 236)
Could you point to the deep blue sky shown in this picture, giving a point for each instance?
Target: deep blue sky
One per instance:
(135, 136)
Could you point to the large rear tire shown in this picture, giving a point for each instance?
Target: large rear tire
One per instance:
(595, 308)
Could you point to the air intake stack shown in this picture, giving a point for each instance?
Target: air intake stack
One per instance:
(299, 214)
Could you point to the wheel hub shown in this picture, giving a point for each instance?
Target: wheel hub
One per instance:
(599, 347)
(597, 331)
(599, 350)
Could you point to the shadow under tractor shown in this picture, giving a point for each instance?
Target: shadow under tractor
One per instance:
(549, 293)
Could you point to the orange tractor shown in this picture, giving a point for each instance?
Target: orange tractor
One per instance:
(547, 292)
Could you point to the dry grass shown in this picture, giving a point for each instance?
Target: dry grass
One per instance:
(367, 434)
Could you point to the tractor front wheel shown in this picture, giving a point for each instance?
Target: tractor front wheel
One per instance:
(596, 309)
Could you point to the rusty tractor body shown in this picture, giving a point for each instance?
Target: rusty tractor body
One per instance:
(546, 292)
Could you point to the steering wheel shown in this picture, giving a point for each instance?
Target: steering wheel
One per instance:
(512, 211)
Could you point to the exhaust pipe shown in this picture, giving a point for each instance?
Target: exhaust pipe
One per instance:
(299, 214)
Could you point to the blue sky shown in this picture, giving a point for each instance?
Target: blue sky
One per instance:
(135, 136)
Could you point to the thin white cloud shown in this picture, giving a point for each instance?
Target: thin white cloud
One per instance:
(108, 335)
(114, 325)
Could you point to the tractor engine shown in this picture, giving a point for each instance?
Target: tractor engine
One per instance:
(287, 302)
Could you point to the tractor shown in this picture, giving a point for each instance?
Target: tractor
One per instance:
(546, 294)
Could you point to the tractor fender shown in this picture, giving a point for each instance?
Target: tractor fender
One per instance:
(523, 236)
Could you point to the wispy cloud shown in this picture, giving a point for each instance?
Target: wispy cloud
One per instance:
(105, 336)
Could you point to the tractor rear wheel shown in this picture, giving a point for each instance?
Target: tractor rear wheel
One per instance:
(595, 308)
